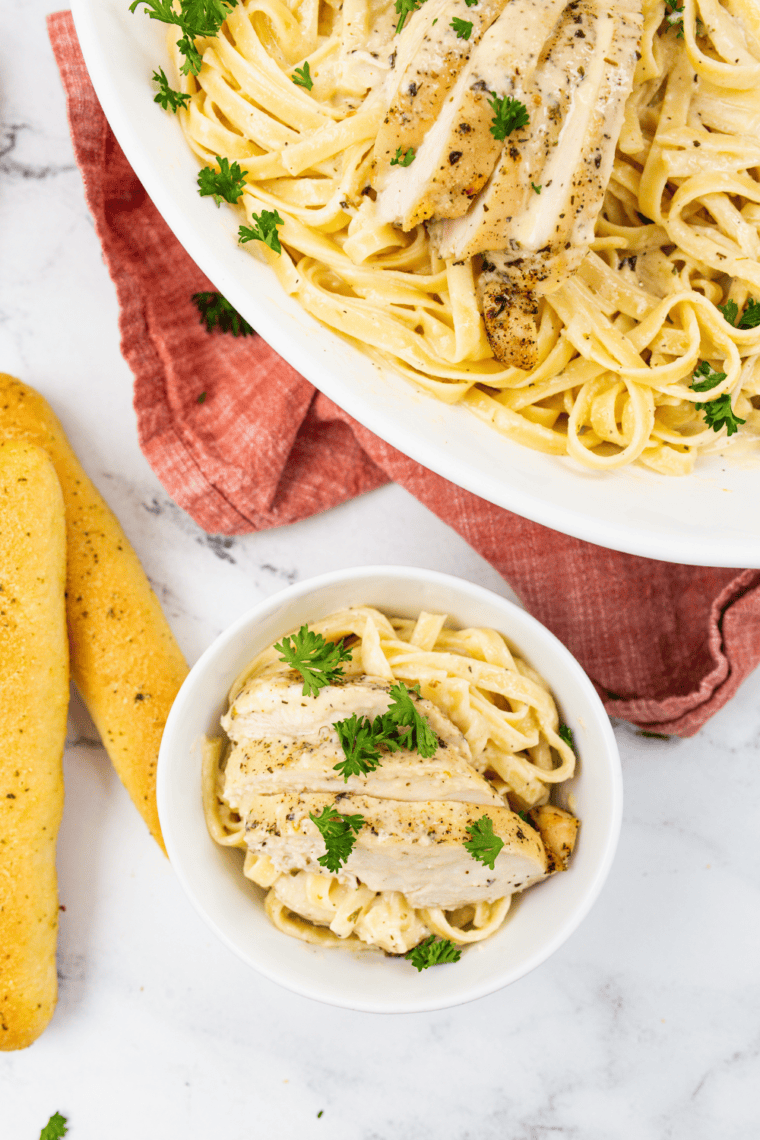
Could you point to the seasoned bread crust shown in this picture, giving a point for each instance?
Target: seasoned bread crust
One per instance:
(125, 661)
(34, 693)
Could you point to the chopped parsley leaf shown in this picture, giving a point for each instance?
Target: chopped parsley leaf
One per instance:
(317, 660)
(55, 1128)
(719, 413)
(463, 28)
(509, 115)
(537, 189)
(339, 833)
(228, 182)
(711, 379)
(264, 229)
(401, 159)
(483, 845)
(404, 9)
(217, 312)
(302, 77)
(169, 99)
(565, 733)
(433, 952)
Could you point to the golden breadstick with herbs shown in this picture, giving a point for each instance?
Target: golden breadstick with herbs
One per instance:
(34, 697)
(125, 661)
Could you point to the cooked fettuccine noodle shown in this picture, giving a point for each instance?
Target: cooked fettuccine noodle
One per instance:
(619, 340)
(500, 752)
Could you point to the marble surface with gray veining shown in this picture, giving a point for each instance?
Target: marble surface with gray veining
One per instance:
(646, 1024)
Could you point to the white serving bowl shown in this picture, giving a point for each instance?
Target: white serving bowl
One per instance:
(212, 876)
(701, 519)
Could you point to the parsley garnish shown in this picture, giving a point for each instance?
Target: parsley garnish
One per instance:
(564, 732)
(509, 115)
(318, 661)
(433, 952)
(537, 189)
(413, 728)
(55, 1128)
(339, 833)
(674, 16)
(711, 379)
(470, 3)
(719, 413)
(463, 28)
(195, 18)
(360, 739)
(264, 230)
(302, 77)
(401, 159)
(217, 312)
(750, 318)
(228, 182)
(202, 398)
(483, 845)
(404, 9)
(401, 726)
(169, 99)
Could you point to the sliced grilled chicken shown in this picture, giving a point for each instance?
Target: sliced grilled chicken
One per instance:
(534, 219)
(307, 764)
(558, 830)
(423, 114)
(274, 706)
(458, 153)
(416, 849)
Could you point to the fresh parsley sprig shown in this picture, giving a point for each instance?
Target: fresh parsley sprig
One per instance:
(674, 16)
(402, 726)
(55, 1128)
(463, 28)
(264, 229)
(483, 845)
(317, 660)
(710, 378)
(412, 728)
(509, 115)
(719, 414)
(750, 318)
(169, 99)
(564, 732)
(433, 952)
(217, 312)
(404, 9)
(339, 833)
(302, 77)
(228, 182)
(403, 159)
(360, 738)
(195, 18)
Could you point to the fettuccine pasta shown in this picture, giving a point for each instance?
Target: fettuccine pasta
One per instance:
(506, 747)
(619, 341)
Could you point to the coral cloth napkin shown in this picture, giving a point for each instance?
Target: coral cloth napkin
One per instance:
(665, 645)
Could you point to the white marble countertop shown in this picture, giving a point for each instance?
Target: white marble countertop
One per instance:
(645, 1024)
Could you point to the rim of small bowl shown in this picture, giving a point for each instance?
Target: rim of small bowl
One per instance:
(283, 600)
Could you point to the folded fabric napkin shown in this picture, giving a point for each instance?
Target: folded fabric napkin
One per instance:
(666, 645)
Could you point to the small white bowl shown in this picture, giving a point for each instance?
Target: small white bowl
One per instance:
(212, 876)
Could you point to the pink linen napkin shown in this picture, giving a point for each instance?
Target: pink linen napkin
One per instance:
(666, 645)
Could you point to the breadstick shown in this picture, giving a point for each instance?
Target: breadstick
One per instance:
(34, 696)
(124, 659)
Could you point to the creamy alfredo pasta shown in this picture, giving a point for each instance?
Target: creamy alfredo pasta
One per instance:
(591, 320)
(410, 874)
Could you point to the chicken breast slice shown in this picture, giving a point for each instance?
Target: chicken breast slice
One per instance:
(307, 764)
(534, 220)
(423, 115)
(416, 849)
(274, 706)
